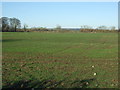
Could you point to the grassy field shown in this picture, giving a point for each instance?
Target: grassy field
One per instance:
(60, 60)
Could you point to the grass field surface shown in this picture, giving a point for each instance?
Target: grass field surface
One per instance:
(60, 60)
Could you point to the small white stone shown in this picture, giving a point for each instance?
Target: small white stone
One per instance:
(87, 83)
(95, 74)
(93, 66)
(112, 84)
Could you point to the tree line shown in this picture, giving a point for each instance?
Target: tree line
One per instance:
(14, 25)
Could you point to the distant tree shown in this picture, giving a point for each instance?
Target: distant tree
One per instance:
(86, 27)
(5, 23)
(58, 27)
(0, 24)
(43, 29)
(102, 27)
(25, 27)
(9, 24)
(112, 28)
(14, 24)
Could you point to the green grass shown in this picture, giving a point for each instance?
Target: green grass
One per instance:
(50, 59)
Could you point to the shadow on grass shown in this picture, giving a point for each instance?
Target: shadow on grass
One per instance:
(48, 83)
(83, 83)
(34, 84)
(10, 40)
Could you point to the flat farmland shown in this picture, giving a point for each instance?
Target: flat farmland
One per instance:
(59, 60)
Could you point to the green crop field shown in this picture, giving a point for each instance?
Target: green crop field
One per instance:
(59, 60)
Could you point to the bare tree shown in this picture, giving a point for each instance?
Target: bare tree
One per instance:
(0, 24)
(25, 27)
(112, 28)
(15, 23)
(86, 27)
(102, 27)
(58, 27)
(4, 23)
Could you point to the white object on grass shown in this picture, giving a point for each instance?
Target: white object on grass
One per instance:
(95, 74)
